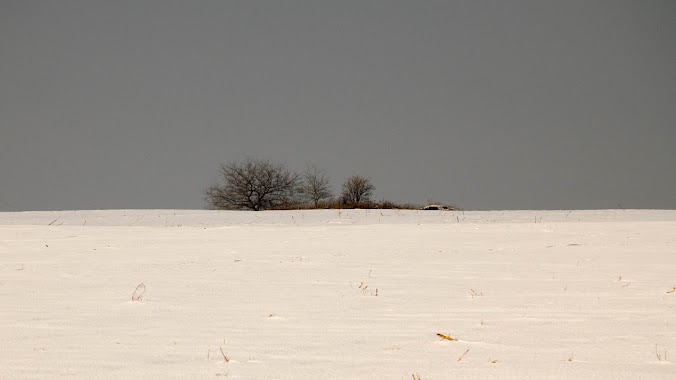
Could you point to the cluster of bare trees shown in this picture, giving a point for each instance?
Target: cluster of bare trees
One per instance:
(260, 184)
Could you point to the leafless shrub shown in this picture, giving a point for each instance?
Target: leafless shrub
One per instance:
(254, 184)
(315, 186)
(396, 206)
(357, 189)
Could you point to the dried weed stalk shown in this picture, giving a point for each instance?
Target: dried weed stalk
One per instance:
(463, 355)
(138, 292)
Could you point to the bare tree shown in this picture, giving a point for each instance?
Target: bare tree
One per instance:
(357, 189)
(315, 186)
(255, 184)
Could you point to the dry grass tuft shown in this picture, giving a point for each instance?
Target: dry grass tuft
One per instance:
(446, 337)
(661, 358)
(364, 290)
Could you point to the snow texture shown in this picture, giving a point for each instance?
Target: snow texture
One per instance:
(338, 294)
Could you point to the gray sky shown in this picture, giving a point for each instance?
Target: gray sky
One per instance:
(484, 104)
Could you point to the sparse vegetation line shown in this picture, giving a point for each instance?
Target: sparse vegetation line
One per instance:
(261, 184)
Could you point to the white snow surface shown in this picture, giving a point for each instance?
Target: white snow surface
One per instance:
(328, 294)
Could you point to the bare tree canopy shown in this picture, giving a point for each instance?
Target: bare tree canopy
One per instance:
(255, 184)
(316, 186)
(357, 189)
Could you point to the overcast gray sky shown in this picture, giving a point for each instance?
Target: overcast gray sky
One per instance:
(484, 104)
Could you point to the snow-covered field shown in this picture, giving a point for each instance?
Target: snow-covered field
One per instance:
(340, 295)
